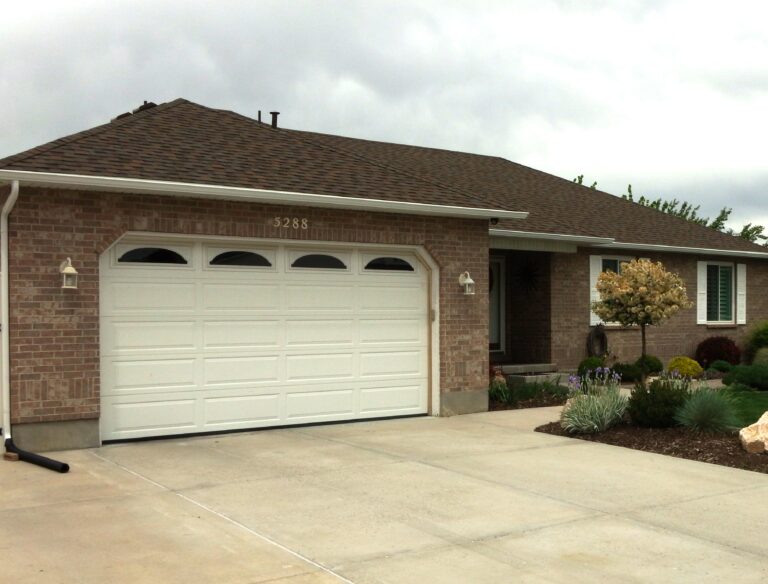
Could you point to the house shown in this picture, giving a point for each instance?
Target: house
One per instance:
(233, 274)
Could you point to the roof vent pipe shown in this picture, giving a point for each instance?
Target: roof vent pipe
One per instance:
(259, 118)
(274, 118)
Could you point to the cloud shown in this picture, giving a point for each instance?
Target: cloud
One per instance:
(666, 94)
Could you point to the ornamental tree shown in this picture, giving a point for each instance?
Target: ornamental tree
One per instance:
(643, 293)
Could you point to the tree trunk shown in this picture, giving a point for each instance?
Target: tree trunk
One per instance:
(643, 373)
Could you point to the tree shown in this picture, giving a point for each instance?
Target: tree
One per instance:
(683, 210)
(686, 210)
(642, 294)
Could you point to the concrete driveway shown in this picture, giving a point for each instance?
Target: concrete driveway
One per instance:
(470, 499)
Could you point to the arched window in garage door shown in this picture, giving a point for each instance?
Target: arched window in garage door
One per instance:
(152, 255)
(240, 258)
(317, 260)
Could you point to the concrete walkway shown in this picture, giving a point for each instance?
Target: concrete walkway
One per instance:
(471, 499)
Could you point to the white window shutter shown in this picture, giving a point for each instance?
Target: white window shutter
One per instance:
(741, 294)
(595, 267)
(701, 293)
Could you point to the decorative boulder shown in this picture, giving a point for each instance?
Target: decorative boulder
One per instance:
(754, 438)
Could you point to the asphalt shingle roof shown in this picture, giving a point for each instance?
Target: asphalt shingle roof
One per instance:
(182, 141)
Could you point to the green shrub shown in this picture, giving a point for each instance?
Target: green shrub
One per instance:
(720, 365)
(525, 391)
(586, 413)
(757, 338)
(656, 404)
(628, 371)
(755, 376)
(589, 364)
(685, 366)
(719, 348)
(649, 364)
(761, 357)
(499, 391)
(708, 410)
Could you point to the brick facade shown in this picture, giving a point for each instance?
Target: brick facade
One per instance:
(54, 333)
(678, 336)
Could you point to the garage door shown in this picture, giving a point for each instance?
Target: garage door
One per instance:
(201, 337)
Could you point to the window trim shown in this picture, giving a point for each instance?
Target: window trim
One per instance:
(295, 254)
(186, 252)
(595, 269)
(211, 253)
(738, 294)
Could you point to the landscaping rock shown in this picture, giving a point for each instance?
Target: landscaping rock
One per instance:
(754, 438)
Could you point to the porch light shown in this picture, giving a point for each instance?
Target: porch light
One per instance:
(68, 274)
(469, 284)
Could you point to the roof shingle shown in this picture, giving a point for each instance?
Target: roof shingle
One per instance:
(185, 142)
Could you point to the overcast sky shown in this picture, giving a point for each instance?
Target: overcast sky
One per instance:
(671, 96)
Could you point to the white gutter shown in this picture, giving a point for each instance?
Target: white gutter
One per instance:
(610, 243)
(5, 310)
(585, 239)
(689, 250)
(155, 187)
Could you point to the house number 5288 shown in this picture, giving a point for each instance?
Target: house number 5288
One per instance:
(291, 222)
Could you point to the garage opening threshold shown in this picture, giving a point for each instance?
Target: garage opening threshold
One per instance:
(260, 429)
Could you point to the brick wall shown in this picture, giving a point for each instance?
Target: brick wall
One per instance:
(55, 333)
(678, 336)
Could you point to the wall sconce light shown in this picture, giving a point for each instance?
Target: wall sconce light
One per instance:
(68, 274)
(469, 284)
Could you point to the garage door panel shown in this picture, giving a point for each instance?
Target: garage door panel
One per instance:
(242, 410)
(252, 369)
(150, 297)
(391, 298)
(392, 330)
(319, 404)
(251, 297)
(166, 416)
(319, 366)
(241, 334)
(188, 349)
(320, 332)
(391, 363)
(125, 337)
(139, 375)
(391, 398)
(318, 297)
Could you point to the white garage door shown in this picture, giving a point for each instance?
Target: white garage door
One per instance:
(199, 337)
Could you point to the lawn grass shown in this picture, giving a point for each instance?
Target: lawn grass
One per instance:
(750, 405)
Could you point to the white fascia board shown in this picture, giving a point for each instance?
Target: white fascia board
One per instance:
(686, 250)
(167, 188)
(585, 239)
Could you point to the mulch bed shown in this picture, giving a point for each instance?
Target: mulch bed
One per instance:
(723, 449)
(540, 401)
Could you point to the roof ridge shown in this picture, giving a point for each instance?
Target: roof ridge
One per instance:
(70, 138)
(344, 151)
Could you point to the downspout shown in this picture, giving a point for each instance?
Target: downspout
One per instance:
(5, 356)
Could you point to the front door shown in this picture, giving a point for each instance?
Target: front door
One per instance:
(496, 304)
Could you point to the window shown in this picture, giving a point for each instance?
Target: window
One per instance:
(611, 265)
(316, 260)
(240, 258)
(391, 264)
(152, 255)
(722, 293)
(719, 293)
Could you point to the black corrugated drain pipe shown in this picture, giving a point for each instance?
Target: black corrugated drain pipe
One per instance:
(33, 458)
